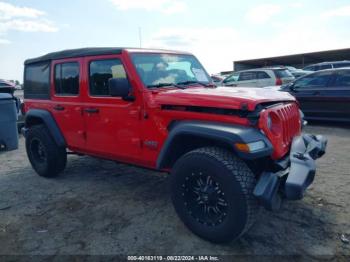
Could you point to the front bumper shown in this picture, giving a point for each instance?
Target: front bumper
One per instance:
(296, 174)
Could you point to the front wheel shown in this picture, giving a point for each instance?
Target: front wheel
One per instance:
(212, 192)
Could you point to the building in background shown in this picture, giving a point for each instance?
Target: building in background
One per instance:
(298, 61)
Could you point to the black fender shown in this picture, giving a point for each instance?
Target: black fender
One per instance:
(35, 116)
(217, 134)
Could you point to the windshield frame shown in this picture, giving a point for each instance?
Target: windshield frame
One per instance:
(173, 85)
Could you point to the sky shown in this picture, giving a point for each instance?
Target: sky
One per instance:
(217, 32)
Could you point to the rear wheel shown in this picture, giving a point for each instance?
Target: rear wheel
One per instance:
(47, 159)
(212, 194)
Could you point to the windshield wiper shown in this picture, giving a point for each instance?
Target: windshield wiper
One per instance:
(193, 82)
(164, 85)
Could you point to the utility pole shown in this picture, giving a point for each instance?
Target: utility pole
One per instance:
(140, 37)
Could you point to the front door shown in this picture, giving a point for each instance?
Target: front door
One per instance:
(336, 97)
(112, 124)
(308, 90)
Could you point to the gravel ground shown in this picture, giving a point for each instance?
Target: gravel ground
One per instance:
(98, 207)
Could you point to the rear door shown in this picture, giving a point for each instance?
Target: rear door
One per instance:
(264, 79)
(308, 89)
(66, 105)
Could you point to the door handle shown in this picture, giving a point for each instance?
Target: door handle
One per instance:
(58, 107)
(92, 110)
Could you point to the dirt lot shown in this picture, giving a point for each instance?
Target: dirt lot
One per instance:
(100, 207)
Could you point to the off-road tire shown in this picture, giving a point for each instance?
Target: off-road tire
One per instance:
(55, 157)
(236, 182)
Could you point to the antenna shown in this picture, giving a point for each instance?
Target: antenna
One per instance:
(140, 37)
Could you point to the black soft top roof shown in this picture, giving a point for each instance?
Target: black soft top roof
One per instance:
(75, 53)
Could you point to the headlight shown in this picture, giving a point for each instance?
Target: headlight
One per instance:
(302, 121)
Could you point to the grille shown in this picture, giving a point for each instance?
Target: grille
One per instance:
(290, 118)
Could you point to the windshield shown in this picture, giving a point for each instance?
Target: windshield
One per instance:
(159, 70)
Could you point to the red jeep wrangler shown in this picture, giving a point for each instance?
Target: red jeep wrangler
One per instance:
(228, 150)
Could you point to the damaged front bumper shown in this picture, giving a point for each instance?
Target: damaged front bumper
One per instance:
(296, 172)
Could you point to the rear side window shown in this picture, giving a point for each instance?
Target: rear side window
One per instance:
(309, 68)
(67, 79)
(342, 79)
(37, 81)
(323, 67)
(263, 75)
(100, 72)
(282, 73)
(340, 65)
(245, 76)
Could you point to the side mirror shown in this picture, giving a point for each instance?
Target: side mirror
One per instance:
(293, 88)
(120, 87)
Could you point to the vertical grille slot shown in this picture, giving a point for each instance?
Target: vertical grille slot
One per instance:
(289, 115)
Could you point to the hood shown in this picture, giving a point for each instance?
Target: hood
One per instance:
(221, 97)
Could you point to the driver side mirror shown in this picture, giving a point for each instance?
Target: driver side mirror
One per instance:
(293, 87)
(120, 87)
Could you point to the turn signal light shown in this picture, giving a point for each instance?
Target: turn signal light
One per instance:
(250, 147)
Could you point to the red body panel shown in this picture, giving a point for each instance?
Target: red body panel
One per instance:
(123, 129)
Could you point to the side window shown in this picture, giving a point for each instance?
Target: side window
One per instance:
(340, 65)
(309, 68)
(37, 81)
(342, 79)
(263, 75)
(245, 76)
(313, 80)
(100, 72)
(67, 79)
(327, 66)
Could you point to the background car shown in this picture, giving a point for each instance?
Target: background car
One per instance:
(296, 72)
(217, 79)
(327, 65)
(261, 77)
(7, 87)
(323, 95)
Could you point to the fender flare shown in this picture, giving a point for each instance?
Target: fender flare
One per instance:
(224, 134)
(46, 117)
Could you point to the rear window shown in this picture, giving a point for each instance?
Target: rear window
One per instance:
(282, 73)
(340, 65)
(37, 81)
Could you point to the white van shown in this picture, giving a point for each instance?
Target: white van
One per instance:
(262, 77)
